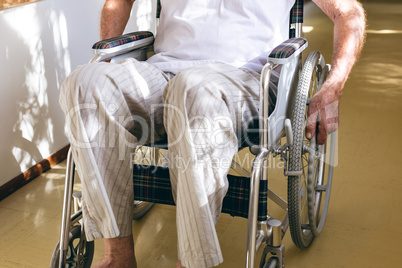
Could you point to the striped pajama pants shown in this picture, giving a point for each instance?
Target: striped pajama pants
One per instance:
(203, 111)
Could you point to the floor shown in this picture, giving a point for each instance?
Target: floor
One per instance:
(363, 225)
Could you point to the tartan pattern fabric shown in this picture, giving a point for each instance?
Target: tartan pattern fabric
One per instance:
(287, 48)
(236, 201)
(158, 9)
(152, 184)
(296, 14)
(121, 40)
(292, 33)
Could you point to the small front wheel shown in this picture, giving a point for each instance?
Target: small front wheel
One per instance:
(272, 262)
(80, 252)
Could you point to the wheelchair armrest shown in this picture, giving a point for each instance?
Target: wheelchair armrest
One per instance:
(109, 48)
(288, 50)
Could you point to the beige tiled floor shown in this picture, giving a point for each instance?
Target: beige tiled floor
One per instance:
(363, 226)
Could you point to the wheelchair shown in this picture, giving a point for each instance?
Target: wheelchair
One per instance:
(307, 165)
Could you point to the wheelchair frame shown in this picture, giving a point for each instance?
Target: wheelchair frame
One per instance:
(273, 128)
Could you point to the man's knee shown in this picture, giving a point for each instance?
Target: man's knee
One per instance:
(80, 87)
(193, 85)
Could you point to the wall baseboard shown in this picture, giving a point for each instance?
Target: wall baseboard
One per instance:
(29, 175)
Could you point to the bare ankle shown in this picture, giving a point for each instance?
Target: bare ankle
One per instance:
(119, 252)
(178, 264)
(119, 246)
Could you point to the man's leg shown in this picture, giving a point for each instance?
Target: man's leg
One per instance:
(206, 109)
(119, 252)
(108, 110)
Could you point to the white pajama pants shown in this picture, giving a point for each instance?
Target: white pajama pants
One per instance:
(203, 111)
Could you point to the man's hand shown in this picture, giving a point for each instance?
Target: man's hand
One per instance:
(323, 113)
(349, 31)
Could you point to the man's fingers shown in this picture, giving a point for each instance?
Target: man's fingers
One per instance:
(322, 133)
(311, 126)
(322, 116)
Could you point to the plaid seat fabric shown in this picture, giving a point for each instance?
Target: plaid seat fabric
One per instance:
(152, 184)
(121, 40)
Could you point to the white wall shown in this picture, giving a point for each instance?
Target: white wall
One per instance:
(40, 44)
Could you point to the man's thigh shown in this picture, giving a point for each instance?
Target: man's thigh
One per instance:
(129, 93)
(213, 90)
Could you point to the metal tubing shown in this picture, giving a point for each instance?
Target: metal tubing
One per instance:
(264, 233)
(264, 114)
(276, 232)
(253, 207)
(77, 201)
(261, 237)
(264, 105)
(65, 224)
(277, 199)
(259, 171)
(299, 29)
(76, 217)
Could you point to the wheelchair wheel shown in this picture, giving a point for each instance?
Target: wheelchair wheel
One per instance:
(80, 252)
(312, 76)
(141, 208)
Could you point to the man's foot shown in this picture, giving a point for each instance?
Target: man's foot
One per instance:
(119, 253)
(178, 264)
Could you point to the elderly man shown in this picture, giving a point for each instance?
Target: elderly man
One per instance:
(200, 90)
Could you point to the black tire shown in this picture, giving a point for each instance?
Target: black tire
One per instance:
(80, 252)
(140, 209)
(309, 83)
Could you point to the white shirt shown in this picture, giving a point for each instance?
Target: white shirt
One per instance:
(238, 32)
